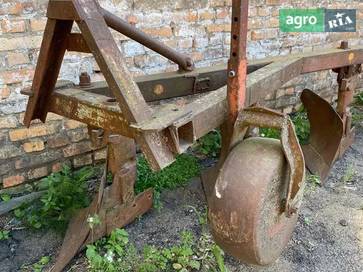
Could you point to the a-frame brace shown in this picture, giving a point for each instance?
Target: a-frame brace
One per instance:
(95, 37)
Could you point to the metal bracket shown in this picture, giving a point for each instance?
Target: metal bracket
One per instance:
(263, 117)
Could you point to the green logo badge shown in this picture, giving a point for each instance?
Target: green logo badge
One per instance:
(302, 20)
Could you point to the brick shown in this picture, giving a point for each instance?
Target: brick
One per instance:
(33, 146)
(82, 160)
(159, 32)
(15, 58)
(191, 16)
(206, 15)
(56, 167)
(8, 122)
(37, 24)
(26, 42)
(217, 3)
(223, 13)
(16, 76)
(72, 124)
(14, 8)
(11, 26)
(132, 19)
(78, 135)
(58, 140)
(53, 117)
(100, 154)
(77, 149)
(273, 2)
(36, 160)
(263, 11)
(13, 181)
(273, 22)
(218, 28)
(9, 151)
(4, 92)
(38, 173)
(27, 133)
(5, 168)
(264, 34)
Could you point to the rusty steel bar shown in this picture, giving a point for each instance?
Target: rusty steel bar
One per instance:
(185, 62)
(237, 65)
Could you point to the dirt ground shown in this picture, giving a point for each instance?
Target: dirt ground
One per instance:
(328, 237)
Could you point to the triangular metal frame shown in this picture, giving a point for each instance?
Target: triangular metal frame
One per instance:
(96, 38)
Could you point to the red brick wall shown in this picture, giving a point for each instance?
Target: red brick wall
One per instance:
(198, 27)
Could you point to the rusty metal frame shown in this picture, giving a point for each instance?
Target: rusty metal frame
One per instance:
(126, 106)
(155, 128)
(205, 112)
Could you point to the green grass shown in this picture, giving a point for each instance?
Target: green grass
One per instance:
(178, 174)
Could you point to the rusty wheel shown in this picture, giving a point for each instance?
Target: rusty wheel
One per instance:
(245, 208)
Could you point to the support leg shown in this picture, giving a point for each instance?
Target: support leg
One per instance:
(115, 205)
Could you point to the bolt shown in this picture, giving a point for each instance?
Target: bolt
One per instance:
(232, 73)
(85, 80)
(344, 45)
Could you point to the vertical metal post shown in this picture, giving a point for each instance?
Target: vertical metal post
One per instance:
(237, 65)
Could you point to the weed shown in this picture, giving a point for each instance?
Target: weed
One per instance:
(357, 116)
(349, 174)
(307, 221)
(116, 254)
(178, 174)
(270, 133)
(210, 144)
(359, 98)
(302, 125)
(302, 128)
(5, 198)
(38, 266)
(202, 216)
(66, 192)
(4, 235)
(314, 179)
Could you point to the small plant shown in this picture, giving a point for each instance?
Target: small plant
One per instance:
(349, 174)
(314, 179)
(38, 266)
(5, 198)
(357, 116)
(66, 192)
(302, 125)
(116, 254)
(210, 144)
(4, 235)
(359, 98)
(270, 133)
(307, 221)
(202, 216)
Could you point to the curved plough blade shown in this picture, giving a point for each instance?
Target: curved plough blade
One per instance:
(326, 133)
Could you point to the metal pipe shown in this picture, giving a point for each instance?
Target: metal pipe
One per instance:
(185, 62)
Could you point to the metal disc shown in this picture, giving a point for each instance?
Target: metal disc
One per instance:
(246, 207)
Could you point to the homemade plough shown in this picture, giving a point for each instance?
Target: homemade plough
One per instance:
(255, 191)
